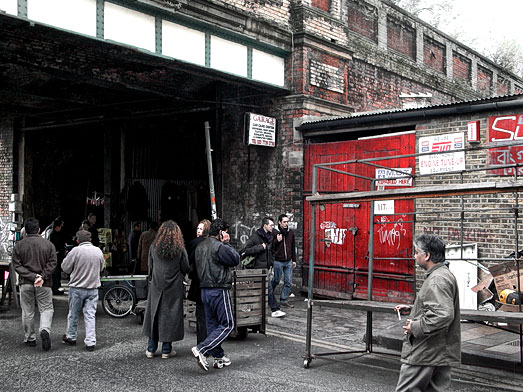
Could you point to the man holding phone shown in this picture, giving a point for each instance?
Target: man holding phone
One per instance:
(214, 259)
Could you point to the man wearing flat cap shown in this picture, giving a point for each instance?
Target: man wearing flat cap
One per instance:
(84, 264)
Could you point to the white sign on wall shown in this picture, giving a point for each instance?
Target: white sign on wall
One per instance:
(384, 207)
(441, 163)
(260, 130)
(386, 177)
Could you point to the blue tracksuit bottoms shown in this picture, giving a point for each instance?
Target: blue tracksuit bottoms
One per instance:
(220, 320)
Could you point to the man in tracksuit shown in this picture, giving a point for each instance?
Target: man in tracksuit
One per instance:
(214, 259)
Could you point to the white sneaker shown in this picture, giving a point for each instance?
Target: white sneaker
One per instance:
(221, 362)
(202, 362)
(149, 354)
(291, 295)
(278, 313)
(169, 355)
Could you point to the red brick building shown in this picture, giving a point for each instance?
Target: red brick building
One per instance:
(107, 100)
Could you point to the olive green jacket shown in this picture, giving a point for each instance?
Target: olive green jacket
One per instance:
(435, 338)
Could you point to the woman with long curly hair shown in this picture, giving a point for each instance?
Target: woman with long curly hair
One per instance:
(168, 263)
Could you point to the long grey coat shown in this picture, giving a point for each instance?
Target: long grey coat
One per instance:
(165, 299)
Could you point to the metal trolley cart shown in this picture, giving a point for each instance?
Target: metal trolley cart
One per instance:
(119, 294)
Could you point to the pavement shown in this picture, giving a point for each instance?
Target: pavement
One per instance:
(485, 349)
(272, 362)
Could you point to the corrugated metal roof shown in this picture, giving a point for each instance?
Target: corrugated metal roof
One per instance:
(420, 108)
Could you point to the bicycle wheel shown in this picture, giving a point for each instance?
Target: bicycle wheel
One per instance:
(118, 301)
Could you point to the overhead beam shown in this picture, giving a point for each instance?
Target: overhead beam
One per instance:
(421, 192)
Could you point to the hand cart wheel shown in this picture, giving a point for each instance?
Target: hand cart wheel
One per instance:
(118, 301)
(307, 362)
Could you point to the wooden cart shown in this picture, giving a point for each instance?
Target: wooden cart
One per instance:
(249, 302)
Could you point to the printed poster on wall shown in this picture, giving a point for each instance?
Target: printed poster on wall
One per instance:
(441, 163)
(260, 130)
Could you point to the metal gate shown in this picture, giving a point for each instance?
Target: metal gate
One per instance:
(342, 229)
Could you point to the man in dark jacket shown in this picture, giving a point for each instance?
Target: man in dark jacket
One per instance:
(260, 245)
(133, 240)
(93, 229)
(34, 259)
(284, 259)
(214, 258)
(432, 335)
(58, 240)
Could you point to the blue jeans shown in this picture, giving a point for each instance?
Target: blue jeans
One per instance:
(152, 345)
(86, 301)
(273, 304)
(285, 268)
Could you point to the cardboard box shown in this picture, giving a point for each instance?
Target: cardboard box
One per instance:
(505, 276)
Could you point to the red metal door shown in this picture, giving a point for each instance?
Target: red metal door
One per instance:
(342, 229)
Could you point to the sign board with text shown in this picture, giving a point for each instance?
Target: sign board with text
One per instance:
(260, 130)
(441, 163)
(387, 177)
(505, 129)
(384, 207)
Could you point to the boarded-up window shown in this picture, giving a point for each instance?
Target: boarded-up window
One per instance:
(461, 67)
(434, 54)
(503, 86)
(321, 4)
(401, 37)
(363, 19)
(484, 80)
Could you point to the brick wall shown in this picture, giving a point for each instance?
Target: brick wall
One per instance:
(6, 184)
(324, 76)
(492, 230)
(262, 181)
(434, 54)
(401, 37)
(484, 83)
(276, 11)
(372, 88)
(461, 67)
(363, 19)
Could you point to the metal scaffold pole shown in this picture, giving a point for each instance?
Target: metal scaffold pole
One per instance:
(308, 355)
(208, 151)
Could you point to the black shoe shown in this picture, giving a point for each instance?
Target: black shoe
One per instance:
(286, 305)
(69, 341)
(46, 340)
(30, 343)
(89, 348)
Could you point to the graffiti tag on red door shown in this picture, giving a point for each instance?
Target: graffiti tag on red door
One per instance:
(333, 234)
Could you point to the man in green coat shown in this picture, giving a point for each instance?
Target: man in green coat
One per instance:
(432, 335)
